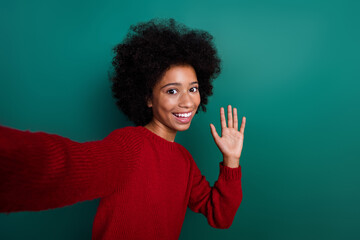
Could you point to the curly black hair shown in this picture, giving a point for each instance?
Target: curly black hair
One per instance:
(147, 52)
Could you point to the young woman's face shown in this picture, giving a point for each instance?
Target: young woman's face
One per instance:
(175, 98)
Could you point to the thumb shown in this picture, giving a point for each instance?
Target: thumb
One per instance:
(214, 133)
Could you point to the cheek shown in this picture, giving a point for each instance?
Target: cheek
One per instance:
(198, 100)
(168, 104)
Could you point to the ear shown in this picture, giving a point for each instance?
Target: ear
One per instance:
(149, 102)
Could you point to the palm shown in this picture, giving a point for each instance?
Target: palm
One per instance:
(231, 141)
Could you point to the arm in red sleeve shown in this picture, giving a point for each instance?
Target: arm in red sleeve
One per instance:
(220, 202)
(39, 171)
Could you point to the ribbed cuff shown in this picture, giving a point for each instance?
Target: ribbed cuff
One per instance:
(229, 173)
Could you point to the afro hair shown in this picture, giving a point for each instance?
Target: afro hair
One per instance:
(147, 52)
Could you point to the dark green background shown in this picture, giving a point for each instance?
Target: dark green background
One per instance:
(290, 67)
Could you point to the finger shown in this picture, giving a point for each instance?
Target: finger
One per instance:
(222, 118)
(236, 124)
(242, 128)
(230, 119)
(214, 133)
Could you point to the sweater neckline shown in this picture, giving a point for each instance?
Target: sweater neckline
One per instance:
(156, 137)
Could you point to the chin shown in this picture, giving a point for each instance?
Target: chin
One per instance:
(181, 127)
(184, 128)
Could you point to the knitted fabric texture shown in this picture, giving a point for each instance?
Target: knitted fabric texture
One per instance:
(145, 182)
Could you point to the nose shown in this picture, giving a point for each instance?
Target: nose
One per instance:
(186, 101)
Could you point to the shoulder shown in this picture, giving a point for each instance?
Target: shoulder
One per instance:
(126, 135)
(125, 130)
(184, 151)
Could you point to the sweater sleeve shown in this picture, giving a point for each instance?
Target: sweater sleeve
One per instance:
(219, 203)
(39, 171)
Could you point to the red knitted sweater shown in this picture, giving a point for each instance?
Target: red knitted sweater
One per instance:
(145, 182)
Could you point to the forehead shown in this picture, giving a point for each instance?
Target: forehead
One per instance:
(179, 73)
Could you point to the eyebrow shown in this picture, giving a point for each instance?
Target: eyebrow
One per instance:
(176, 84)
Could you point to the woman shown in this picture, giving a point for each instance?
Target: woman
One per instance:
(145, 180)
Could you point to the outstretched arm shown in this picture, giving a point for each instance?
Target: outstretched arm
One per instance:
(220, 203)
(39, 171)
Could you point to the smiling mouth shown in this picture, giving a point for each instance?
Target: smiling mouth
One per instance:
(182, 115)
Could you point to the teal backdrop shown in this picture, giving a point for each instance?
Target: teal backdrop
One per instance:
(290, 67)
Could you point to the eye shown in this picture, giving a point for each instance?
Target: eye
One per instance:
(171, 91)
(194, 89)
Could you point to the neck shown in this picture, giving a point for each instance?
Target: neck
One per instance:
(161, 131)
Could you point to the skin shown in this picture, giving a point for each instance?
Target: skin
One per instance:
(177, 92)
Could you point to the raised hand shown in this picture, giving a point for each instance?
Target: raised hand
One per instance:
(231, 141)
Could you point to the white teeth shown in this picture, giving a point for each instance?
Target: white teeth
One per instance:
(183, 114)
